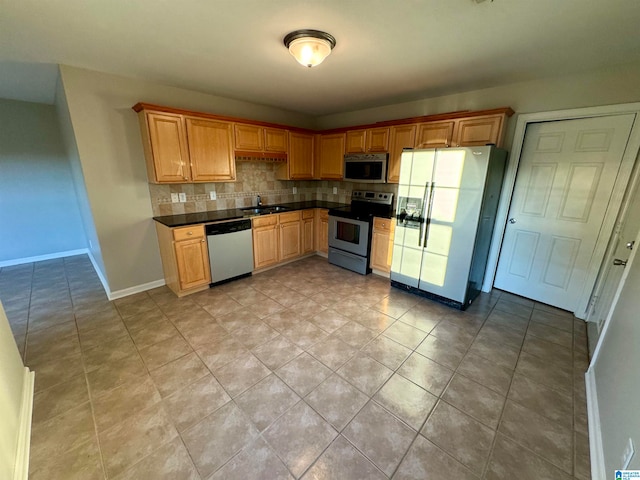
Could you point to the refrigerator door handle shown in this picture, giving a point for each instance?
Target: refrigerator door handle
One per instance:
(427, 219)
(423, 216)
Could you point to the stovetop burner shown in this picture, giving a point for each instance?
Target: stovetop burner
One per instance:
(365, 205)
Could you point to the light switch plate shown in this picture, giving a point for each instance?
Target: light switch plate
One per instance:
(212, 195)
(335, 190)
(183, 197)
(174, 198)
(295, 190)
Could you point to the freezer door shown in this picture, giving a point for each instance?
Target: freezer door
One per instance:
(416, 171)
(458, 185)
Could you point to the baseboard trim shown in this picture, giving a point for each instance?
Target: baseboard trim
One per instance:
(39, 258)
(21, 470)
(101, 277)
(595, 430)
(125, 292)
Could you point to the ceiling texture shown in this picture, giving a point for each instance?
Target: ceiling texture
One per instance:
(388, 51)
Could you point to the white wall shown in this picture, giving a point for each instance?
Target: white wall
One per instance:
(617, 376)
(619, 84)
(110, 151)
(71, 151)
(15, 414)
(39, 212)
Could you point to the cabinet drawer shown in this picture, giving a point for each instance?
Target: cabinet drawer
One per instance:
(187, 233)
(324, 214)
(382, 224)
(264, 221)
(289, 217)
(307, 214)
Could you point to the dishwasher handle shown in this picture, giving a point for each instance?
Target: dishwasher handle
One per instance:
(227, 227)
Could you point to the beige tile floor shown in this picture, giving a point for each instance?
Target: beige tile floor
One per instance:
(305, 371)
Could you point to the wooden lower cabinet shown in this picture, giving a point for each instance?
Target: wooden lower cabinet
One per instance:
(308, 229)
(322, 230)
(382, 244)
(265, 241)
(185, 258)
(290, 235)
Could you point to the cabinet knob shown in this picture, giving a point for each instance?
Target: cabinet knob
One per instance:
(189, 233)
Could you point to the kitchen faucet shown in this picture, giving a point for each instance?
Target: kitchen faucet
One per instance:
(259, 201)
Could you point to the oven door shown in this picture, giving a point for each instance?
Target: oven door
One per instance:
(349, 235)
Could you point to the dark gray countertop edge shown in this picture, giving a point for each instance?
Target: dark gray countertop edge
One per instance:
(184, 219)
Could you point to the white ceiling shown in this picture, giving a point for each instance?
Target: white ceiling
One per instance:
(387, 51)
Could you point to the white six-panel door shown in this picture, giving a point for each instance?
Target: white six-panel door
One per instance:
(565, 180)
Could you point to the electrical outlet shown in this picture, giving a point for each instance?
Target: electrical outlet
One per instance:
(212, 195)
(335, 190)
(175, 198)
(182, 197)
(295, 190)
(627, 455)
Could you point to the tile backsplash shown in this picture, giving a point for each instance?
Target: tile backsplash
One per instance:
(252, 179)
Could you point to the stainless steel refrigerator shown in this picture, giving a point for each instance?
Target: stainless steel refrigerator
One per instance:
(445, 214)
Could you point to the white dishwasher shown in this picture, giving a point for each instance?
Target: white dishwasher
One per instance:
(230, 250)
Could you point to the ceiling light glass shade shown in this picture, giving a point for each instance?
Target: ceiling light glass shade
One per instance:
(309, 47)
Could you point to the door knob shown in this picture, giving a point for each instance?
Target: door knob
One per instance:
(630, 244)
(512, 220)
(617, 261)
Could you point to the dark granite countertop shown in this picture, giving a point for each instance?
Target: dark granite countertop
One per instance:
(236, 213)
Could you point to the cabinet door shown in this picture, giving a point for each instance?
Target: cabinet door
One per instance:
(290, 235)
(192, 259)
(331, 161)
(210, 150)
(434, 134)
(265, 246)
(478, 131)
(403, 136)
(300, 156)
(377, 140)
(355, 141)
(307, 235)
(322, 230)
(275, 140)
(248, 138)
(381, 242)
(168, 147)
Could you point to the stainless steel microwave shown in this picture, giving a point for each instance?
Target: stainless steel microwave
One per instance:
(366, 167)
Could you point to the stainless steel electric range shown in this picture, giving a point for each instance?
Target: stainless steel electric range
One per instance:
(350, 229)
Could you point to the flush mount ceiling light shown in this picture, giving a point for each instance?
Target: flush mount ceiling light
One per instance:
(309, 47)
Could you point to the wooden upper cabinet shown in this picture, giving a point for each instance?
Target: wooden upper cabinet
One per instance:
(248, 138)
(355, 141)
(434, 134)
(165, 147)
(402, 136)
(378, 140)
(210, 150)
(481, 130)
(300, 162)
(275, 140)
(369, 140)
(263, 140)
(330, 162)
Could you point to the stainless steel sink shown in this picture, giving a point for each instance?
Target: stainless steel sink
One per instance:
(264, 210)
(257, 210)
